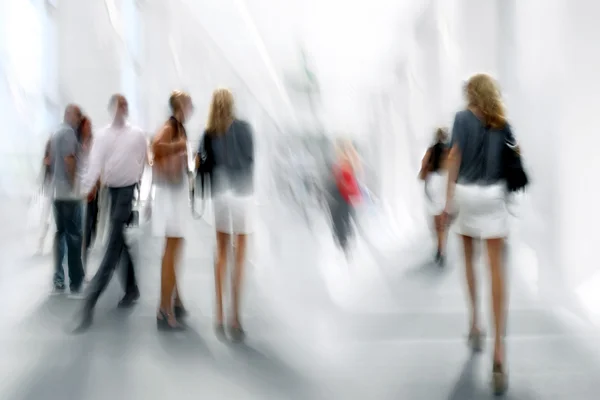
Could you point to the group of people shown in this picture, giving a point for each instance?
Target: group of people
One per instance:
(466, 184)
(78, 164)
(468, 181)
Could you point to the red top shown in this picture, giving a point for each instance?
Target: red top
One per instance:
(346, 182)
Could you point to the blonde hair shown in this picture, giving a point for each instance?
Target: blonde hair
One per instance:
(177, 100)
(221, 113)
(483, 94)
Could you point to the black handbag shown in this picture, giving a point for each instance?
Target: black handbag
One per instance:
(514, 173)
(206, 166)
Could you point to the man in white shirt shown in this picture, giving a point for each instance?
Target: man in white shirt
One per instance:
(118, 158)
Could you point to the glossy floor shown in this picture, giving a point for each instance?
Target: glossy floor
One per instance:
(318, 328)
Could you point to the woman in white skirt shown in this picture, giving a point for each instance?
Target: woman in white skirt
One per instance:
(435, 175)
(171, 215)
(229, 145)
(477, 187)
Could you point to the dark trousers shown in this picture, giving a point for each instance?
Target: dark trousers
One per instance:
(67, 214)
(117, 250)
(341, 217)
(91, 226)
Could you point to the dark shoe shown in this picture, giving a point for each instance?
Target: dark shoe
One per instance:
(162, 323)
(77, 294)
(58, 289)
(129, 299)
(180, 312)
(499, 379)
(220, 332)
(476, 341)
(85, 323)
(440, 259)
(237, 334)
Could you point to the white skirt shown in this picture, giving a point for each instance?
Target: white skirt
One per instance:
(482, 211)
(234, 214)
(171, 212)
(435, 189)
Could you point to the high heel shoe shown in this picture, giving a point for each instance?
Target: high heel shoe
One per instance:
(162, 323)
(475, 341)
(237, 333)
(180, 312)
(220, 332)
(499, 379)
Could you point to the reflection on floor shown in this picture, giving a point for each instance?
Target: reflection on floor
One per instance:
(410, 345)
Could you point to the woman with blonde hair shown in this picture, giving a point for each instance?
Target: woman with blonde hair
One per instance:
(170, 212)
(477, 187)
(229, 145)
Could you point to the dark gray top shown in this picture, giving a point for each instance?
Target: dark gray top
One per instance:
(63, 143)
(234, 160)
(481, 149)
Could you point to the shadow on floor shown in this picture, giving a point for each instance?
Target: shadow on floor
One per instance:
(185, 345)
(469, 386)
(270, 371)
(60, 364)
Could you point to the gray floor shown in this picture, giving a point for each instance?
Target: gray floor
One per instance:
(401, 338)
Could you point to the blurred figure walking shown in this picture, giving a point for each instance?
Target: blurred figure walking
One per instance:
(435, 175)
(170, 216)
(119, 154)
(229, 143)
(64, 152)
(478, 188)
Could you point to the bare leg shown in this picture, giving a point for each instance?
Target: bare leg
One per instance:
(168, 281)
(442, 233)
(178, 249)
(220, 267)
(471, 282)
(238, 277)
(495, 250)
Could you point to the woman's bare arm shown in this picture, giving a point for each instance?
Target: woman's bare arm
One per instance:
(453, 163)
(162, 147)
(425, 164)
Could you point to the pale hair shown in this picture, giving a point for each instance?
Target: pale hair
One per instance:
(483, 95)
(177, 100)
(345, 151)
(221, 112)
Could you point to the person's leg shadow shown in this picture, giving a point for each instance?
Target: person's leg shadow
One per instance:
(470, 386)
(466, 386)
(269, 371)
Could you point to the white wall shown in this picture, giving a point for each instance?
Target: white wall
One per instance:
(89, 57)
(578, 142)
(23, 109)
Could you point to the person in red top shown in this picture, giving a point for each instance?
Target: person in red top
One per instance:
(346, 181)
(346, 197)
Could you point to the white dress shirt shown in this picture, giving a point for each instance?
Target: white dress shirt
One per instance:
(118, 157)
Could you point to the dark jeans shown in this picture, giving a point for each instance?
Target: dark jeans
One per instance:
(117, 250)
(91, 225)
(341, 217)
(67, 214)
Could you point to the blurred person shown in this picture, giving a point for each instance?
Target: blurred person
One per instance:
(64, 151)
(119, 157)
(477, 188)
(91, 210)
(47, 194)
(346, 194)
(435, 175)
(230, 141)
(170, 215)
